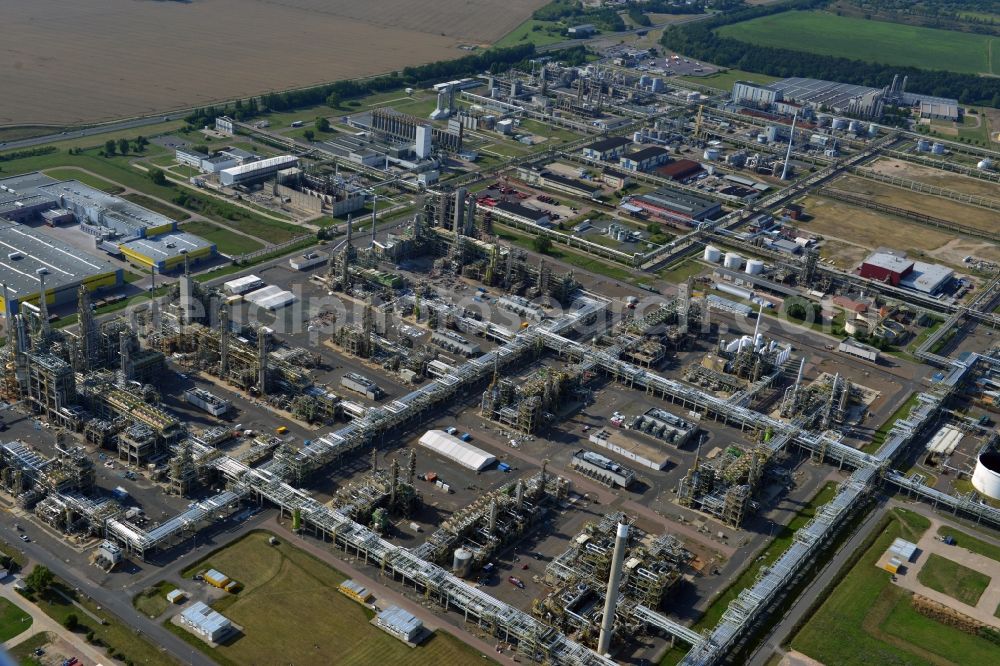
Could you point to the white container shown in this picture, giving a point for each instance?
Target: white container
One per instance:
(986, 477)
(754, 267)
(712, 254)
(732, 261)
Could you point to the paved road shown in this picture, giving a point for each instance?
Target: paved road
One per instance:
(87, 131)
(783, 628)
(42, 622)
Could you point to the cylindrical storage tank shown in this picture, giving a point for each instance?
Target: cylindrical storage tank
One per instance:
(761, 138)
(733, 261)
(712, 254)
(754, 267)
(839, 123)
(855, 326)
(986, 477)
(823, 120)
(873, 130)
(711, 154)
(985, 164)
(733, 290)
(637, 137)
(937, 148)
(773, 132)
(462, 563)
(923, 145)
(854, 126)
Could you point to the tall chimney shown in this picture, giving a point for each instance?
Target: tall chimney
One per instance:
(611, 596)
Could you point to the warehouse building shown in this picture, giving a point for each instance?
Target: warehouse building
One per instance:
(801, 94)
(559, 183)
(646, 159)
(897, 270)
(451, 447)
(256, 172)
(167, 251)
(607, 150)
(189, 157)
(201, 620)
(680, 170)
(26, 251)
(271, 297)
(675, 206)
(518, 213)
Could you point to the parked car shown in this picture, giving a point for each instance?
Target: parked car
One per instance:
(516, 582)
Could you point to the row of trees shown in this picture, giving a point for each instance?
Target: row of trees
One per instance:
(122, 146)
(699, 40)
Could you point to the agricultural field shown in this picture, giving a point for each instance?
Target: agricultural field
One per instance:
(182, 47)
(292, 613)
(867, 619)
(872, 41)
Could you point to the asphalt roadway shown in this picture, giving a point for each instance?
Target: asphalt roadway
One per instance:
(116, 126)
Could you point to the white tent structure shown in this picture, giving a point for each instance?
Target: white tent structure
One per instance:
(463, 453)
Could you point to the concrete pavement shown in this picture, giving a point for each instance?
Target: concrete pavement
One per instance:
(42, 622)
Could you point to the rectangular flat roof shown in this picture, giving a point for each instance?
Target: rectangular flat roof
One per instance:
(891, 262)
(678, 201)
(65, 264)
(270, 163)
(645, 153)
(168, 245)
(609, 143)
(121, 210)
(521, 211)
(570, 182)
(818, 92)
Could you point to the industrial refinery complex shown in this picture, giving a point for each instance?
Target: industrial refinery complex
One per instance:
(581, 364)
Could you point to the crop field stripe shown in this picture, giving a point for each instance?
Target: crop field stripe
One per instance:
(872, 41)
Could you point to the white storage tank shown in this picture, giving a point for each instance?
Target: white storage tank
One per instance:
(985, 164)
(937, 148)
(873, 130)
(462, 563)
(854, 127)
(923, 145)
(637, 137)
(761, 138)
(712, 254)
(839, 123)
(711, 154)
(986, 477)
(733, 261)
(754, 267)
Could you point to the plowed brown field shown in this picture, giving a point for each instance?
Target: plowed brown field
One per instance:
(91, 60)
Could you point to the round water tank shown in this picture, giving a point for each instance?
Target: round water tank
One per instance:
(937, 148)
(839, 123)
(733, 261)
(985, 164)
(855, 326)
(637, 137)
(873, 130)
(854, 126)
(712, 254)
(986, 477)
(711, 154)
(761, 138)
(773, 132)
(923, 145)
(754, 266)
(462, 563)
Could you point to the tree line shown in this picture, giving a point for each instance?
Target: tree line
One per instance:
(699, 40)
(333, 94)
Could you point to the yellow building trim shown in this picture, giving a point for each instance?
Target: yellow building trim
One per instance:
(162, 229)
(139, 257)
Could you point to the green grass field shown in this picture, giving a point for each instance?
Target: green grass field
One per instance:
(85, 178)
(226, 241)
(868, 620)
(547, 33)
(153, 600)
(13, 620)
(971, 543)
(292, 614)
(872, 41)
(158, 206)
(951, 578)
(725, 79)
